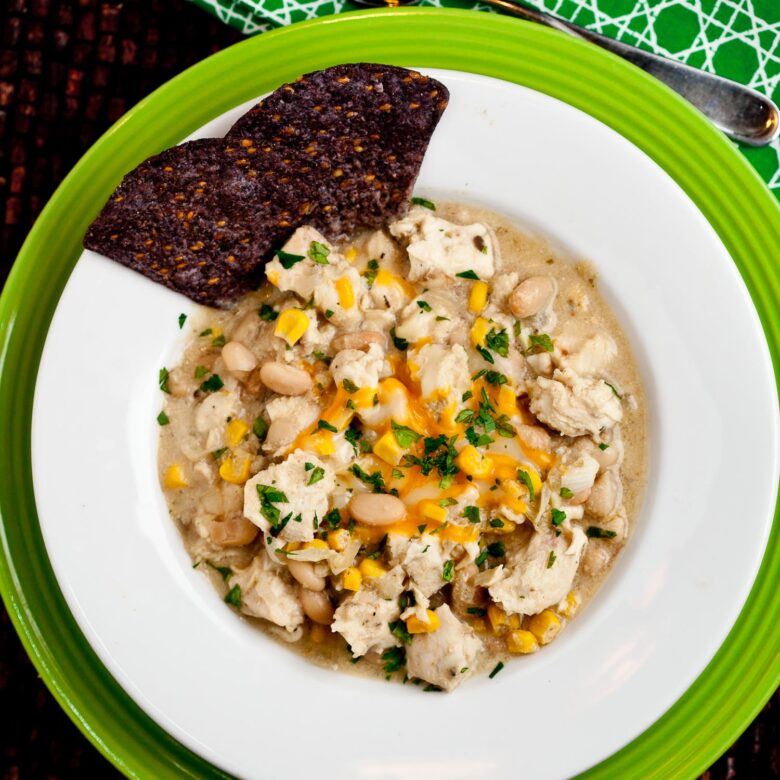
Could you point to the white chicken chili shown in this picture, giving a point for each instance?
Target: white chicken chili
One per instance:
(420, 449)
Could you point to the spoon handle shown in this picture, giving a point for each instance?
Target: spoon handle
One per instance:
(739, 111)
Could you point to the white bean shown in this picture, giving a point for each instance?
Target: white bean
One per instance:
(359, 339)
(377, 508)
(317, 606)
(284, 379)
(596, 558)
(603, 498)
(280, 433)
(606, 458)
(237, 357)
(233, 531)
(531, 296)
(303, 571)
(534, 436)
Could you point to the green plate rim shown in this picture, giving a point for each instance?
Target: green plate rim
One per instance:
(746, 669)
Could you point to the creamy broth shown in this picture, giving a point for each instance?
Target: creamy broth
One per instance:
(210, 448)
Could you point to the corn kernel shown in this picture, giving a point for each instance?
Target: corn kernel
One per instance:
(292, 546)
(364, 397)
(478, 297)
(534, 475)
(521, 642)
(273, 277)
(497, 617)
(233, 471)
(371, 569)
(345, 292)
(350, 254)
(474, 463)
(432, 510)
(318, 634)
(416, 626)
(387, 448)
(174, 478)
(479, 331)
(507, 401)
(291, 325)
(235, 432)
(569, 606)
(479, 625)
(338, 539)
(315, 544)
(352, 579)
(545, 626)
(513, 622)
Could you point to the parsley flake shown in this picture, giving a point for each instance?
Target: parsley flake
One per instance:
(288, 260)
(428, 204)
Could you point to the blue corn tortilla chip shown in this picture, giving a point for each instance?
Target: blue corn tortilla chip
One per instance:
(338, 149)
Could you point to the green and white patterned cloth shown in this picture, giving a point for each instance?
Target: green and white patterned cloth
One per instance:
(738, 39)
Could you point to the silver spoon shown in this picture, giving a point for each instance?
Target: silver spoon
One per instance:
(739, 111)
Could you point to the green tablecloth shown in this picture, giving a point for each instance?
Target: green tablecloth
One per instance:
(739, 39)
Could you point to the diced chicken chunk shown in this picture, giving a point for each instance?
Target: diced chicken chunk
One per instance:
(364, 622)
(265, 593)
(212, 414)
(574, 405)
(422, 559)
(363, 369)
(303, 501)
(533, 582)
(444, 657)
(296, 413)
(588, 358)
(429, 316)
(441, 371)
(438, 248)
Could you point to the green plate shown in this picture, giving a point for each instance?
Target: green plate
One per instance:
(746, 669)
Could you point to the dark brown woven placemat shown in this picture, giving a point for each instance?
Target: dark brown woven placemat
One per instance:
(68, 70)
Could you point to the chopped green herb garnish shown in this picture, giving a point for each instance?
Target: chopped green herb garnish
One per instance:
(498, 341)
(224, 571)
(317, 474)
(269, 496)
(349, 386)
(212, 384)
(485, 354)
(398, 474)
(424, 305)
(496, 522)
(482, 557)
(464, 416)
(429, 204)
(319, 253)
(496, 549)
(398, 630)
(206, 332)
(394, 658)
(540, 342)
(319, 355)
(370, 274)
(558, 516)
(603, 446)
(398, 343)
(217, 454)
(328, 313)
(566, 493)
(594, 532)
(182, 320)
(234, 596)
(375, 481)
(465, 397)
(326, 426)
(421, 528)
(551, 559)
(478, 611)
(479, 374)
(447, 571)
(267, 313)
(471, 513)
(498, 667)
(333, 519)
(494, 378)
(431, 688)
(218, 341)
(613, 389)
(200, 372)
(517, 328)
(525, 478)
(163, 419)
(467, 275)
(287, 260)
(403, 435)
(260, 428)
(163, 380)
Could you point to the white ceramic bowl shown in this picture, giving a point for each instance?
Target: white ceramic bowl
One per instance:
(242, 701)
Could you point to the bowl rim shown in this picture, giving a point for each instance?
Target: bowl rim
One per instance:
(745, 670)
